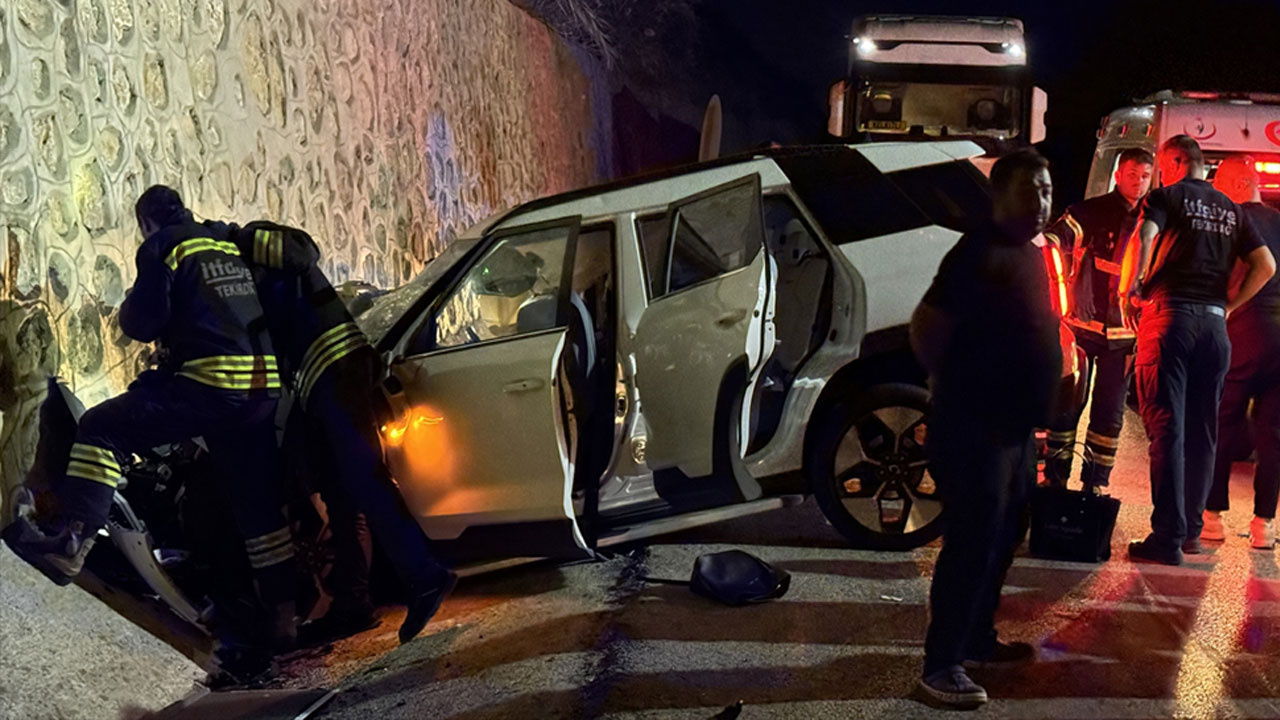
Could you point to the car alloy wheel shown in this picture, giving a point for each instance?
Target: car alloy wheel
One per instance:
(869, 472)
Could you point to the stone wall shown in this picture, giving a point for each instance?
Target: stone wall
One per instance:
(384, 127)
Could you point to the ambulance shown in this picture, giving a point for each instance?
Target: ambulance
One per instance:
(1223, 124)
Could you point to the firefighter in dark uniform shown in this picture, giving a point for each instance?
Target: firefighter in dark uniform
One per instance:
(335, 375)
(1254, 373)
(1094, 234)
(195, 295)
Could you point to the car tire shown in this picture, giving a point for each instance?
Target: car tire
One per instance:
(868, 472)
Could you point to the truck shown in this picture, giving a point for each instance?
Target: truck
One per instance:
(916, 77)
(1223, 123)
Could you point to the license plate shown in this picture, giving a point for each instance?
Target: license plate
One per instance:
(886, 125)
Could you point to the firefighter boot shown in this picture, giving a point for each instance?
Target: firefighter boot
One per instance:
(59, 555)
(423, 606)
(240, 666)
(1058, 456)
(1099, 459)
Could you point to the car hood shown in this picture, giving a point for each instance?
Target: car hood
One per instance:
(376, 312)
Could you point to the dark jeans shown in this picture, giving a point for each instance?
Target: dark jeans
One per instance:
(239, 430)
(342, 432)
(985, 478)
(1183, 352)
(1254, 375)
(1110, 362)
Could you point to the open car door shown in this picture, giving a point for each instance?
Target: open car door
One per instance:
(481, 443)
(706, 332)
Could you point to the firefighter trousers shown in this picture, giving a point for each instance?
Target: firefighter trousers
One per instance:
(1254, 375)
(344, 452)
(239, 430)
(985, 476)
(1106, 374)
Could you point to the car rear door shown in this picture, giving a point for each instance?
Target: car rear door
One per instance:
(708, 314)
(480, 443)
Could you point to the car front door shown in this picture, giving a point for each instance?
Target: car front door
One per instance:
(702, 338)
(480, 443)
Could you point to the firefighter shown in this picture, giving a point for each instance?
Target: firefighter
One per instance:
(1177, 270)
(1254, 373)
(195, 295)
(335, 375)
(987, 334)
(1094, 234)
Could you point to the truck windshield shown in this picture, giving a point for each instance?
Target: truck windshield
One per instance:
(940, 101)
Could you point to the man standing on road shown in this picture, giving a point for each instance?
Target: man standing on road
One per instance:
(1254, 374)
(1188, 242)
(987, 334)
(1095, 233)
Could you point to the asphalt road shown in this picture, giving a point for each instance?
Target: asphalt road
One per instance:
(1116, 640)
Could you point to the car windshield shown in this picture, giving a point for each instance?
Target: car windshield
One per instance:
(853, 201)
(390, 307)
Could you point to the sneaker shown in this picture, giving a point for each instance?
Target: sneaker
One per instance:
(1212, 529)
(1261, 535)
(1002, 653)
(59, 556)
(335, 625)
(953, 688)
(1191, 546)
(1146, 551)
(423, 607)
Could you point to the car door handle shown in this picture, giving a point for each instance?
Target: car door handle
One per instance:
(520, 386)
(730, 318)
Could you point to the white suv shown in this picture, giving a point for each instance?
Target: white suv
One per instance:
(642, 356)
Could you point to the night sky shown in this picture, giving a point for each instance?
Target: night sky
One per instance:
(772, 61)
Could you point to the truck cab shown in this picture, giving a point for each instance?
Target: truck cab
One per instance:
(928, 77)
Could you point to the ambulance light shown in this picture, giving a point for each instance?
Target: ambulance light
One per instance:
(1267, 168)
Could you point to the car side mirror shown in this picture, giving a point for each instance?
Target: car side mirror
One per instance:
(837, 96)
(1039, 106)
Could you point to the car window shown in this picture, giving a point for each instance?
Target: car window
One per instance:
(652, 231)
(513, 288)
(716, 232)
(593, 268)
(953, 195)
(849, 198)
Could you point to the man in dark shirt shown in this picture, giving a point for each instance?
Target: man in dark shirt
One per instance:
(1254, 374)
(1178, 271)
(1095, 233)
(987, 334)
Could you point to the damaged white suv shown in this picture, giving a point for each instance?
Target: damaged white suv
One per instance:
(639, 357)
